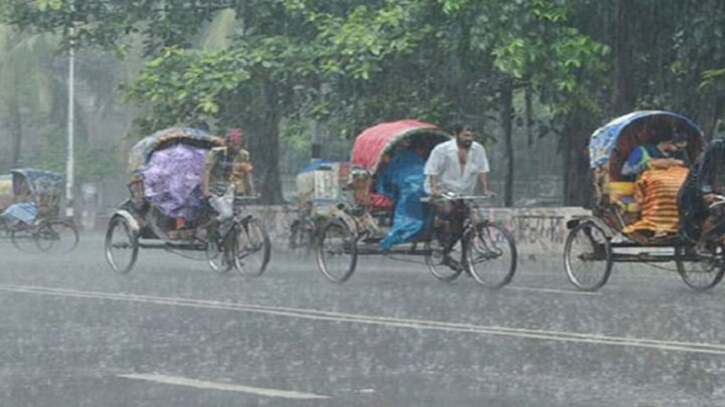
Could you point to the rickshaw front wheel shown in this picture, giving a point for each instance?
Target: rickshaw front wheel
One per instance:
(588, 256)
(219, 256)
(700, 271)
(337, 251)
(253, 248)
(490, 255)
(121, 245)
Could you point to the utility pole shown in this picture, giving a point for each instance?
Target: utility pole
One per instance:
(316, 142)
(317, 127)
(70, 159)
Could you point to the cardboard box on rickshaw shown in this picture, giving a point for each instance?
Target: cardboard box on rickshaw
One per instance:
(320, 186)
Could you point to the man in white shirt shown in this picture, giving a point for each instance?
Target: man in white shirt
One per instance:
(456, 166)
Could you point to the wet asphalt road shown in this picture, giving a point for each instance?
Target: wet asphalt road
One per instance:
(171, 333)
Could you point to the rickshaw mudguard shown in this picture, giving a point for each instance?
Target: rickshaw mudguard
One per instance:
(346, 219)
(608, 231)
(132, 222)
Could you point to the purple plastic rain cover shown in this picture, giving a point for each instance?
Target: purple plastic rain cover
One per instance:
(172, 180)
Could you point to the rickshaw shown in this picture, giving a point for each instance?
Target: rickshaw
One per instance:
(166, 173)
(359, 224)
(41, 228)
(6, 199)
(319, 188)
(594, 243)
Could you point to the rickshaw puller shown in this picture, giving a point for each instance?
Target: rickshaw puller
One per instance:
(227, 172)
(455, 166)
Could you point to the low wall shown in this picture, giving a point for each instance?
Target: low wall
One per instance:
(536, 230)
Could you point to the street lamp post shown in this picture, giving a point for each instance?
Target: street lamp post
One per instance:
(70, 159)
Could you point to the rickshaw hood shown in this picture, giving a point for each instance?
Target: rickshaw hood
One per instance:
(605, 138)
(374, 141)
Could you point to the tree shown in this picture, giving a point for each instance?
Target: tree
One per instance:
(352, 63)
(27, 82)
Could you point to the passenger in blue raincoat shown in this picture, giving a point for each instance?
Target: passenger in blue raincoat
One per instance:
(403, 180)
(24, 210)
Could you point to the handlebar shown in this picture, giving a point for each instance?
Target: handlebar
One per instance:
(245, 198)
(719, 201)
(456, 197)
(325, 201)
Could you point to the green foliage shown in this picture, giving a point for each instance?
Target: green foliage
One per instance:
(357, 43)
(24, 73)
(712, 77)
(45, 5)
(351, 63)
(103, 23)
(92, 162)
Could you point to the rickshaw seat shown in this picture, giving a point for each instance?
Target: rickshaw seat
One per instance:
(381, 209)
(380, 203)
(622, 194)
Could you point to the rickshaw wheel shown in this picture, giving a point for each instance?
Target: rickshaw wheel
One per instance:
(701, 271)
(219, 257)
(57, 236)
(252, 248)
(433, 259)
(121, 245)
(588, 256)
(24, 239)
(337, 251)
(489, 254)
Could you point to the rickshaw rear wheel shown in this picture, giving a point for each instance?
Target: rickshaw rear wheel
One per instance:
(57, 236)
(337, 251)
(588, 256)
(700, 271)
(489, 255)
(253, 248)
(121, 245)
(302, 236)
(434, 258)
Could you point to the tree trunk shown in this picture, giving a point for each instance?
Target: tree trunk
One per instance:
(506, 117)
(263, 142)
(714, 111)
(624, 92)
(577, 174)
(16, 132)
(529, 106)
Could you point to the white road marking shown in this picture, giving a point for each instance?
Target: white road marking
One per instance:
(418, 324)
(205, 385)
(552, 290)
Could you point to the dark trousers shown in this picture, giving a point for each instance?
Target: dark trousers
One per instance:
(450, 218)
